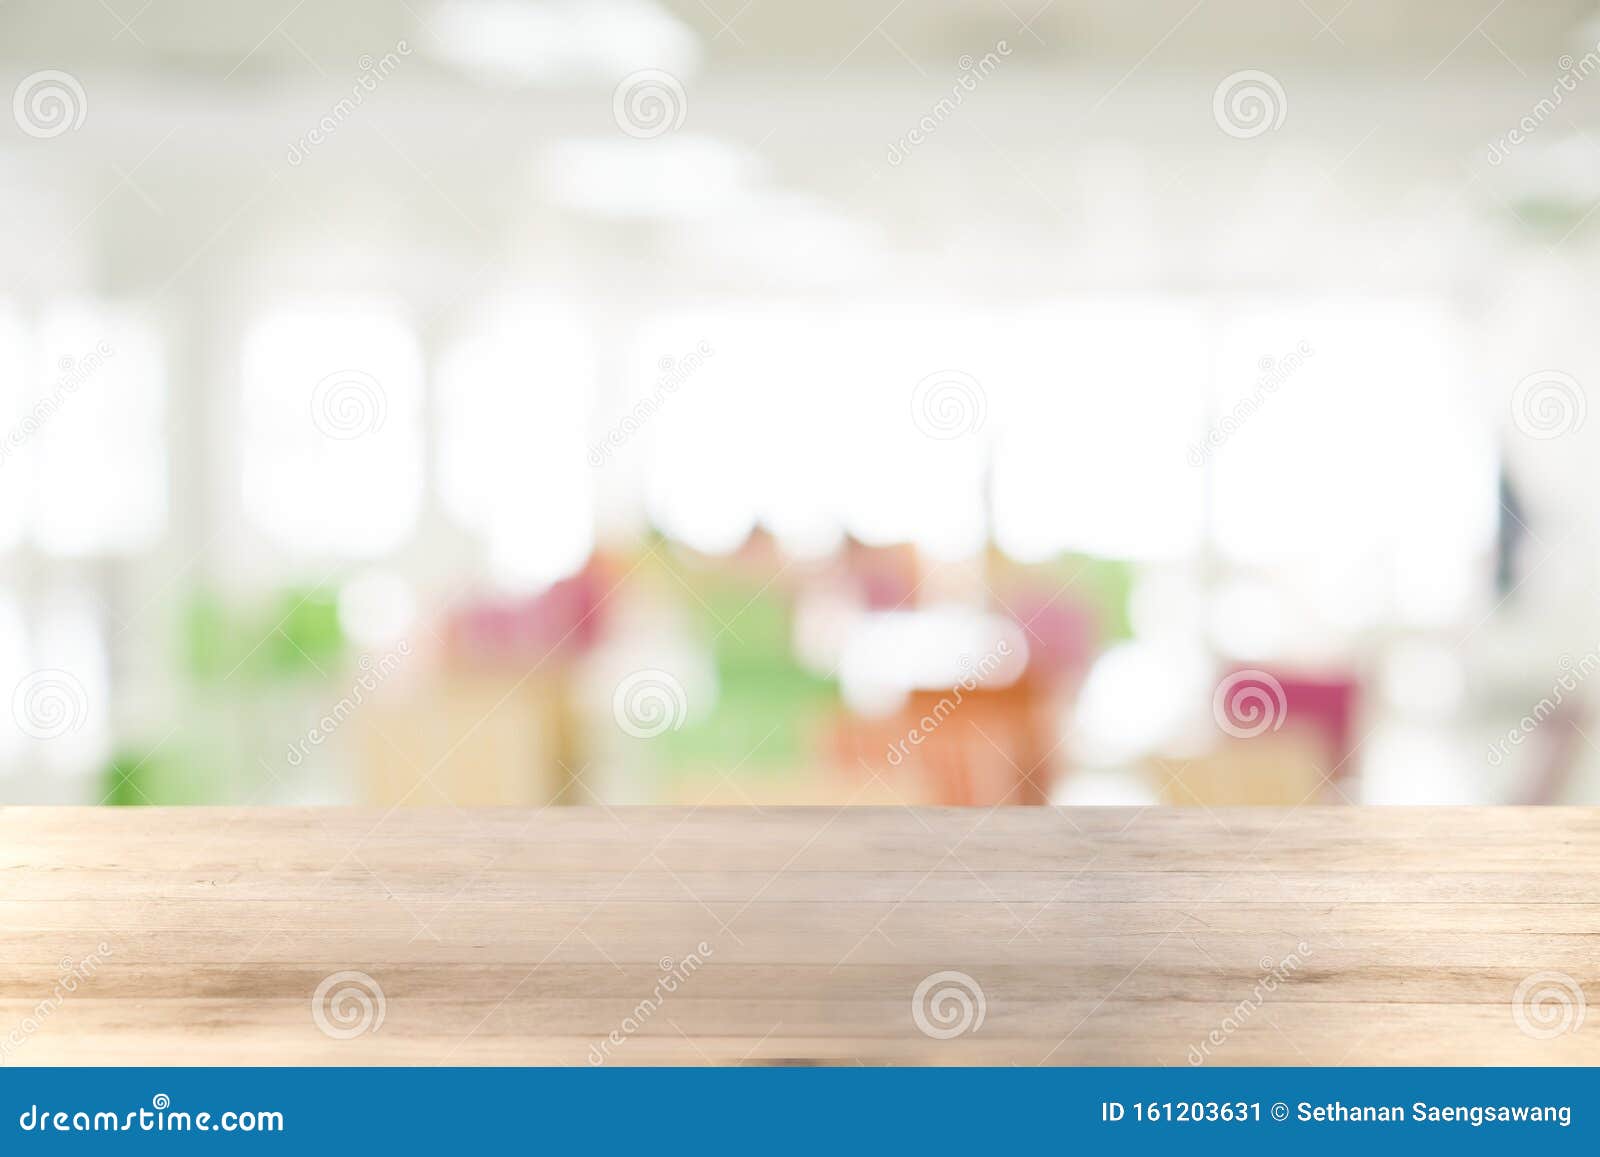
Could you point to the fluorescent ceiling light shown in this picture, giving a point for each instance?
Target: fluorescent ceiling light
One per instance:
(676, 177)
(561, 41)
(793, 236)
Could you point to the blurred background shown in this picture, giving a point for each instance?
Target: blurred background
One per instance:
(732, 401)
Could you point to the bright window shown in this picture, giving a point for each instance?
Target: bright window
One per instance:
(513, 398)
(14, 430)
(1357, 460)
(331, 442)
(1095, 456)
(95, 433)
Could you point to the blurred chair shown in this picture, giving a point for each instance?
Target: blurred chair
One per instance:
(986, 747)
(495, 722)
(1556, 758)
(469, 739)
(1306, 743)
(1327, 707)
(1285, 771)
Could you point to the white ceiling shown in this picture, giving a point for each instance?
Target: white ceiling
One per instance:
(1091, 156)
(207, 36)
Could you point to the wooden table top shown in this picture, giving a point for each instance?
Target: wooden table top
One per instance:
(872, 935)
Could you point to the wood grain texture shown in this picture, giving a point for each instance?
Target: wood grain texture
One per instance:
(1096, 936)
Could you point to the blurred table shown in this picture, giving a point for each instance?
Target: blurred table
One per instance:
(1027, 935)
